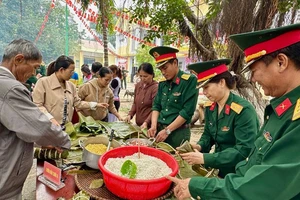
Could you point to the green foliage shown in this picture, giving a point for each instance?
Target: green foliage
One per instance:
(142, 55)
(164, 14)
(214, 8)
(286, 5)
(109, 8)
(24, 21)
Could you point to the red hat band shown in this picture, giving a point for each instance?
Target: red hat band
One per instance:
(202, 76)
(164, 57)
(274, 44)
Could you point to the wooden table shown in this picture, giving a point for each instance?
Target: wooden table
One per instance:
(46, 193)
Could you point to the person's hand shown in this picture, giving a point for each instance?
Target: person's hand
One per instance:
(120, 118)
(102, 105)
(161, 136)
(151, 132)
(181, 189)
(144, 125)
(196, 146)
(54, 122)
(127, 119)
(193, 157)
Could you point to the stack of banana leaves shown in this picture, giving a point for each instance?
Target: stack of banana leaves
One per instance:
(186, 170)
(87, 127)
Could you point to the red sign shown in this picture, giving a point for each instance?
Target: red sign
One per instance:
(52, 173)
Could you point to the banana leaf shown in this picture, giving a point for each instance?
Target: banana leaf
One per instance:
(129, 169)
(123, 130)
(165, 147)
(199, 169)
(81, 196)
(70, 130)
(89, 125)
(97, 183)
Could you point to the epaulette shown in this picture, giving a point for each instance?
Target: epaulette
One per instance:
(296, 114)
(208, 103)
(162, 79)
(185, 76)
(236, 107)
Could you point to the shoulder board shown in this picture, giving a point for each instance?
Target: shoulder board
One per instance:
(296, 114)
(208, 103)
(236, 107)
(185, 76)
(161, 79)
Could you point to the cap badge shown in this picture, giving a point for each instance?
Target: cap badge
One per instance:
(155, 54)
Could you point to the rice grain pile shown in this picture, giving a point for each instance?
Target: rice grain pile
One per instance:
(148, 167)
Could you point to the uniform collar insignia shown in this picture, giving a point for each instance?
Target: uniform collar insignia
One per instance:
(177, 81)
(227, 109)
(213, 105)
(283, 106)
(268, 136)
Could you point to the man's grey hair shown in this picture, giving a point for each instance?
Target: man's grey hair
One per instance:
(21, 46)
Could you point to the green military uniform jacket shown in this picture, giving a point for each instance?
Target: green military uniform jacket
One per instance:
(272, 170)
(176, 97)
(233, 133)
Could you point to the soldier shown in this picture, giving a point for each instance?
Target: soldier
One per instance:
(176, 99)
(231, 121)
(271, 171)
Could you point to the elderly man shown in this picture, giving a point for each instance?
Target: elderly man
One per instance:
(176, 99)
(271, 171)
(21, 122)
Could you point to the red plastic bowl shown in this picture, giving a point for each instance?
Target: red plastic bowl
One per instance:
(137, 189)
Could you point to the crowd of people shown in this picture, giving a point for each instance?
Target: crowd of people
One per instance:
(254, 161)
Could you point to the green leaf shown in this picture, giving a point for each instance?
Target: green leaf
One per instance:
(129, 169)
(97, 183)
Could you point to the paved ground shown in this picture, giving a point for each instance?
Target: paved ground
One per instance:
(126, 102)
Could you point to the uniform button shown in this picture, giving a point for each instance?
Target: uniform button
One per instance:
(142, 102)
(247, 159)
(170, 89)
(175, 100)
(164, 119)
(259, 148)
(267, 117)
(168, 99)
(166, 109)
(198, 198)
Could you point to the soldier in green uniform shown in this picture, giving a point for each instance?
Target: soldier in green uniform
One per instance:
(231, 121)
(40, 72)
(272, 169)
(176, 99)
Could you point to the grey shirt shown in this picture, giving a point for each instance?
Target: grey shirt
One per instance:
(21, 125)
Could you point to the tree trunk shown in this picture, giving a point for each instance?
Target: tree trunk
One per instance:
(104, 25)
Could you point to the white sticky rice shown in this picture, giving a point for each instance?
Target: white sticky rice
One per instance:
(148, 167)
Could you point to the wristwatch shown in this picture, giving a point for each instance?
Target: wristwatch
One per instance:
(168, 131)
